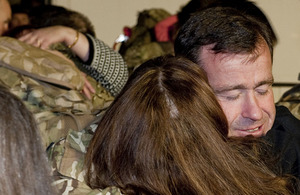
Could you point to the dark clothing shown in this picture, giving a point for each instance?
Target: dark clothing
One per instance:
(285, 141)
(291, 100)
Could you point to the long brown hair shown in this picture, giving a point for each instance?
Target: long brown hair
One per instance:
(166, 134)
(23, 163)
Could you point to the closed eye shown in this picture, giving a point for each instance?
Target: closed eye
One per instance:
(229, 95)
(263, 89)
(263, 92)
(231, 98)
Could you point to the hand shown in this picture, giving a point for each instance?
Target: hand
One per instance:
(87, 87)
(44, 37)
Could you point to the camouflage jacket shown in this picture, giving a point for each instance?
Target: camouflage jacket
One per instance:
(67, 159)
(291, 100)
(50, 88)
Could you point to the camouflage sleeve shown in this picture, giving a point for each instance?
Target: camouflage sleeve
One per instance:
(107, 67)
(67, 159)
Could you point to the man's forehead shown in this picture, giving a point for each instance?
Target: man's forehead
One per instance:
(207, 53)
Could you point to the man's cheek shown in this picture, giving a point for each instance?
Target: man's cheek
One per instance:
(227, 109)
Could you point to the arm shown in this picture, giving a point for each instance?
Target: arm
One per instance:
(106, 66)
(98, 60)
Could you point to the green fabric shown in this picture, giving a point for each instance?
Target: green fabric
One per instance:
(141, 46)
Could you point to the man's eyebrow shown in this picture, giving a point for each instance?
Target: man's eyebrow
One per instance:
(234, 87)
(265, 82)
(229, 88)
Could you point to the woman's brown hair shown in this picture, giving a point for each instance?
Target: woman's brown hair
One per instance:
(166, 134)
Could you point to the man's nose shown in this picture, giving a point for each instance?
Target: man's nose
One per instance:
(251, 107)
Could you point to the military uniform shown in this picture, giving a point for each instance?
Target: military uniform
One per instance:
(50, 86)
(67, 161)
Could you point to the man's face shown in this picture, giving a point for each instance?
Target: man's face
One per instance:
(19, 19)
(243, 87)
(5, 16)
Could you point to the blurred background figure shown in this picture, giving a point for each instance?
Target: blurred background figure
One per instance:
(51, 15)
(20, 16)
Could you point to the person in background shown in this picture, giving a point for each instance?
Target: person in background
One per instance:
(20, 17)
(23, 164)
(167, 134)
(52, 15)
(5, 16)
(236, 52)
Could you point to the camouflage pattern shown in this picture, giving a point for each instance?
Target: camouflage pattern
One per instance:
(39, 64)
(67, 160)
(50, 88)
(291, 100)
(141, 46)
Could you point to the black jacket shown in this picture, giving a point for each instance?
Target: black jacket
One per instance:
(284, 138)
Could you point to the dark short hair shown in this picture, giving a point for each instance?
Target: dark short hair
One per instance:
(245, 6)
(227, 29)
